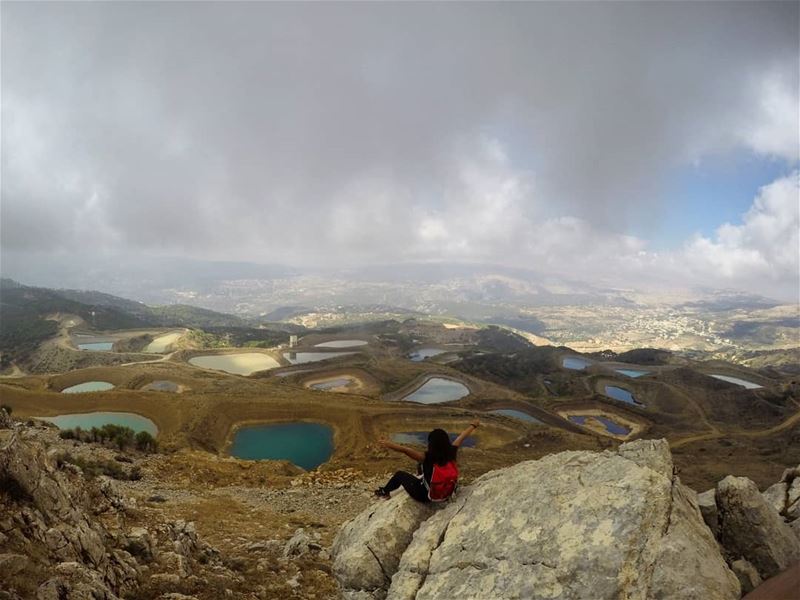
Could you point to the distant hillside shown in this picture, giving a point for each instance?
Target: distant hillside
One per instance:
(24, 311)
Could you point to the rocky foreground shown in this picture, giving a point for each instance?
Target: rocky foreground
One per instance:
(575, 525)
(616, 524)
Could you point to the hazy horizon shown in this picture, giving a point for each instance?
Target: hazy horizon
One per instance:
(634, 145)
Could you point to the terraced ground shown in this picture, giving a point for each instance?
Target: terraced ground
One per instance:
(715, 427)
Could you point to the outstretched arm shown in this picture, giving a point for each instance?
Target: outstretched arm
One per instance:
(466, 433)
(410, 453)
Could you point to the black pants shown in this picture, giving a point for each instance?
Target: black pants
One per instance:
(413, 485)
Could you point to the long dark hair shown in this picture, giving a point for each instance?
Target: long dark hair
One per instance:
(440, 450)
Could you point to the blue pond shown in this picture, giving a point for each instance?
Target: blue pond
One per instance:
(516, 414)
(572, 362)
(420, 438)
(611, 426)
(423, 353)
(436, 390)
(98, 419)
(631, 372)
(97, 346)
(736, 381)
(622, 395)
(307, 445)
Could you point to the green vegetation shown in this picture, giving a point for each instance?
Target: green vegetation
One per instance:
(116, 435)
(498, 339)
(94, 468)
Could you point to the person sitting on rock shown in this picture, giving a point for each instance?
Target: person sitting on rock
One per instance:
(437, 468)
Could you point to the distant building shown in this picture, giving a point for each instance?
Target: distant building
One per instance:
(292, 341)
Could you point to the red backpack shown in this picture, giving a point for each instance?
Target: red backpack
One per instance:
(444, 480)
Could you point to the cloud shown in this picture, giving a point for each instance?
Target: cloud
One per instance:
(764, 250)
(521, 133)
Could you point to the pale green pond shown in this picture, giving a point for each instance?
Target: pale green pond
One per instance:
(238, 364)
(88, 386)
(98, 419)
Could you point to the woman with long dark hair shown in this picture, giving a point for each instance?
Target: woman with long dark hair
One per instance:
(438, 471)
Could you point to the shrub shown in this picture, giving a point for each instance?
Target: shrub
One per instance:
(7, 408)
(145, 442)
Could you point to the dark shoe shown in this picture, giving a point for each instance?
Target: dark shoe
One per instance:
(382, 493)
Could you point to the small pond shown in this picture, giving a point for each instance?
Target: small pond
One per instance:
(333, 383)
(162, 385)
(621, 394)
(341, 344)
(420, 438)
(575, 363)
(631, 372)
(238, 364)
(436, 390)
(300, 358)
(516, 414)
(735, 380)
(98, 419)
(423, 353)
(307, 445)
(97, 346)
(611, 426)
(88, 386)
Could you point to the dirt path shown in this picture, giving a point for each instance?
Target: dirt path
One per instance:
(795, 418)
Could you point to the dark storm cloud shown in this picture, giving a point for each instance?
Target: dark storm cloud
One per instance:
(363, 132)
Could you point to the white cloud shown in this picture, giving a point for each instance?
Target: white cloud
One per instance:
(761, 253)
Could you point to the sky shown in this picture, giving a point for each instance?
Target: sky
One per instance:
(624, 143)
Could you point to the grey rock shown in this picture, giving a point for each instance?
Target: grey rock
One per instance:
(707, 503)
(298, 544)
(795, 527)
(751, 529)
(793, 494)
(747, 574)
(138, 542)
(793, 511)
(5, 419)
(367, 550)
(265, 546)
(550, 528)
(11, 564)
(775, 495)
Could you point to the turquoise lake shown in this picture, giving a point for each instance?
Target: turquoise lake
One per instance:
(307, 445)
(88, 386)
(420, 438)
(97, 346)
(622, 395)
(631, 372)
(735, 380)
(98, 419)
(516, 414)
(436, 390)
(611, 426)
(577, 364)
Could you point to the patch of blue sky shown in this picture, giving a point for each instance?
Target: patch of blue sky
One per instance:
(699, 198)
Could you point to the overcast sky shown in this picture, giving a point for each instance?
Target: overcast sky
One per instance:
(623, 143)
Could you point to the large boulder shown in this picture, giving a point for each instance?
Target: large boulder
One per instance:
(571, 525)
(750, 528)
(367, 550)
